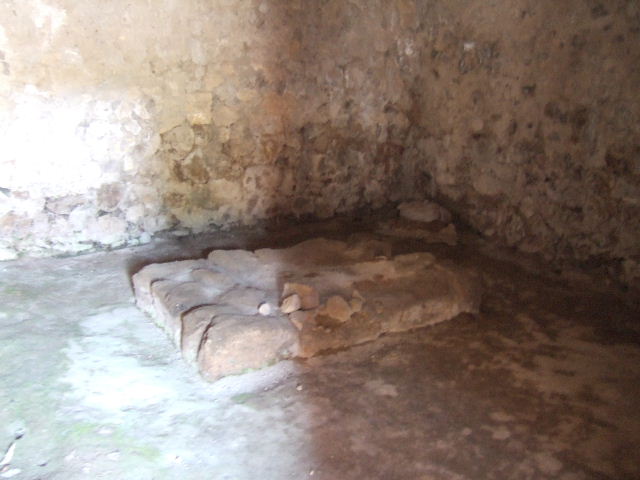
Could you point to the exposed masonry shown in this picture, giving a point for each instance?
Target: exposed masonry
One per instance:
(124, 120)
(238, 310)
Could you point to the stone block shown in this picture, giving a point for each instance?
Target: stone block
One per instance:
(331, 294)
(234, 344)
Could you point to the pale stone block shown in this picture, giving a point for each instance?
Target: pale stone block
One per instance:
(214, 309)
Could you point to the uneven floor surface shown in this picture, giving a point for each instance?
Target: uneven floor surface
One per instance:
(544, 383)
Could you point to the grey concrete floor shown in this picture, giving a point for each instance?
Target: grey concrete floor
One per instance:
(544, 383)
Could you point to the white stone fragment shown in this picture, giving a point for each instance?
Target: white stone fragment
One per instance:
(424, 211)
(12, 472)
(8, 456)
(264, 309)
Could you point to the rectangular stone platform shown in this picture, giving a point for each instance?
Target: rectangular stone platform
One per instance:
(239, 310)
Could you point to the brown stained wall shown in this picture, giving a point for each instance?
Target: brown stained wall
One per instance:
(121, 119)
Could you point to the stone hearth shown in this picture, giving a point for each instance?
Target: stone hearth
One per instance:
(239, 310)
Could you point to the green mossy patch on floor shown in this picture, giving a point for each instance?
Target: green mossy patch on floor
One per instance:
(88, 434)
(241, 398)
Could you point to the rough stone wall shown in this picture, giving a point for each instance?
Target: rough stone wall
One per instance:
(120, 119)
(528, 124)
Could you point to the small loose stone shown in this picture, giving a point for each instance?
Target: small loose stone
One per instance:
(309, 298)
(337, 308)
(356, 304)
(291, 304)
(12, 472)
(264, 309)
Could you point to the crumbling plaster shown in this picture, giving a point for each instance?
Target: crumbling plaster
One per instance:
(121, 119)
(530, 125)
(128, 118)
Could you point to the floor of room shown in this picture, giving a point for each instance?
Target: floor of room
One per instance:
(544, 383)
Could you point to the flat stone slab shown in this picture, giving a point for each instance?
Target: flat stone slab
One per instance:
(239, 310)
(421, 220)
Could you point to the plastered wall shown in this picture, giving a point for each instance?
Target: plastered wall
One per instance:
(529, 124)
(121, 119)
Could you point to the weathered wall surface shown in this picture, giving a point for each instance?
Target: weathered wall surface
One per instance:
(528, 123)
(124, 118)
